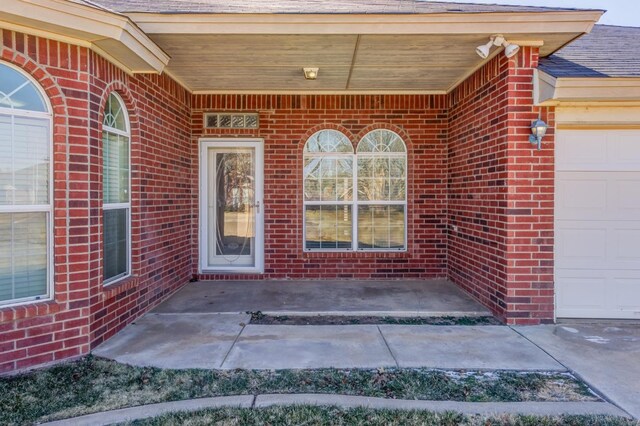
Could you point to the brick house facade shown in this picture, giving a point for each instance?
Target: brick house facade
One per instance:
(480, 200)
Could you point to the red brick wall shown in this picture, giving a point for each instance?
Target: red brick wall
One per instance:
(480, 199)
(83, 312)
(162, 204)
(477, 166)
(286, 121)
(530, 206)
(501, 192)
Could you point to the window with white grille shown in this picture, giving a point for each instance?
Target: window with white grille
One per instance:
(355, 201)
(25, 189)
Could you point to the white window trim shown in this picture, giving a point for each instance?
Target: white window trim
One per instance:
(118, 206)
(48, 209)
(354, 202)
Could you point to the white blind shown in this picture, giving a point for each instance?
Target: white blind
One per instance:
(116, 168)
(24, 160)
(23, 255)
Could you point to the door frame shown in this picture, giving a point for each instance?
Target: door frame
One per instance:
(203, 232)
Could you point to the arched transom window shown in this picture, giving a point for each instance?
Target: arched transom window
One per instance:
(371, 217)
(25, 189)
(116, 191)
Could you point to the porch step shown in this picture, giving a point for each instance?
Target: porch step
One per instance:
(417, 298)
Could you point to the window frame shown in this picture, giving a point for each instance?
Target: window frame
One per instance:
(117, 206)
(355, 202)
(36, 208)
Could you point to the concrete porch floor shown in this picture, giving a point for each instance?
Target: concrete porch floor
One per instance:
(205, 326)
(391, 298)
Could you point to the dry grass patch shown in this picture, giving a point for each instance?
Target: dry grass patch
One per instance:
(307, 415)
(93, 385)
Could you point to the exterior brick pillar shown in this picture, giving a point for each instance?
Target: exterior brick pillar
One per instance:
(530, 198)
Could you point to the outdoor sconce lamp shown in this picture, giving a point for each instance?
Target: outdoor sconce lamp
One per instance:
(538, 130)
(310, 73)
(510, 49)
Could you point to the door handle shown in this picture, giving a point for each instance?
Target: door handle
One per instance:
(257, 206)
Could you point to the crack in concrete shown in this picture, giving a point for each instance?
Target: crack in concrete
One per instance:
(388, 347)
(232, 345)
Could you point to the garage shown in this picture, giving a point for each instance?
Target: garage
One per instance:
(597, 221)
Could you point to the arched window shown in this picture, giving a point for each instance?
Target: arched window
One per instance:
(382, 191)
(371, 218)
(328, 191)
(116, 168)
(25, 189)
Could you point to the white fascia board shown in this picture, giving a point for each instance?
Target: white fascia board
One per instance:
(552, 91)
(525, 24)
(111, 33)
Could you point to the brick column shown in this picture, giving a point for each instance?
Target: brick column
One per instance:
(530, 210)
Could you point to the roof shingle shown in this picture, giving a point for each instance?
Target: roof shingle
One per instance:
(608, 51)
(310, 6)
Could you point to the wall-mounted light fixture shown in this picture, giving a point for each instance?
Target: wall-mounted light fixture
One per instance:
(538, 130)
(310, 73)
(510, 49)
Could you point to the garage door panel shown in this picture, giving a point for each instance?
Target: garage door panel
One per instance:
(627, 197)
(624, 147)
(627, 247)
(579, 153)
(581, 248)
(598, 245)
(598, 150)
(597, 253)
(580, 196)
(626, 295)
(581, 290)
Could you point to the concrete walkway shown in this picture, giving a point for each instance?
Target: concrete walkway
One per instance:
(343, 401)
(227, 341)
(204, 326)
(606, 355)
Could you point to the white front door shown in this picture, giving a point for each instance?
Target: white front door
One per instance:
(597, 222)
(231, 210)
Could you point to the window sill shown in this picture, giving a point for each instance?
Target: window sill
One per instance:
(30, 309)
(121, 286)
(356, 254)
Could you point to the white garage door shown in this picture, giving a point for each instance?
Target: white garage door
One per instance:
(597, 254)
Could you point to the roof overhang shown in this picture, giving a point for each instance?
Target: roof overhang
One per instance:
(527, 25)
(111, 35)
(265, 53)
(603, 91)
(356, 53)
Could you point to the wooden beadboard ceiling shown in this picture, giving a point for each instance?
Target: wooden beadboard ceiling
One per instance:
(349, 62)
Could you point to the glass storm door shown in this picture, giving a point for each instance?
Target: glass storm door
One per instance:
(231, 210)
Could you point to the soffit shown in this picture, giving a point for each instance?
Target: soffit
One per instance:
(235, 53)
(424, 63)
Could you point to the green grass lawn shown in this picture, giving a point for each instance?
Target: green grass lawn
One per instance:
(92, 385)
(307, 415)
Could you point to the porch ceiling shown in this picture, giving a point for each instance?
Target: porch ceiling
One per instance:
(417, 63)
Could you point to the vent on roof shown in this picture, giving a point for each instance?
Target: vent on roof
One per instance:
(230, 120)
